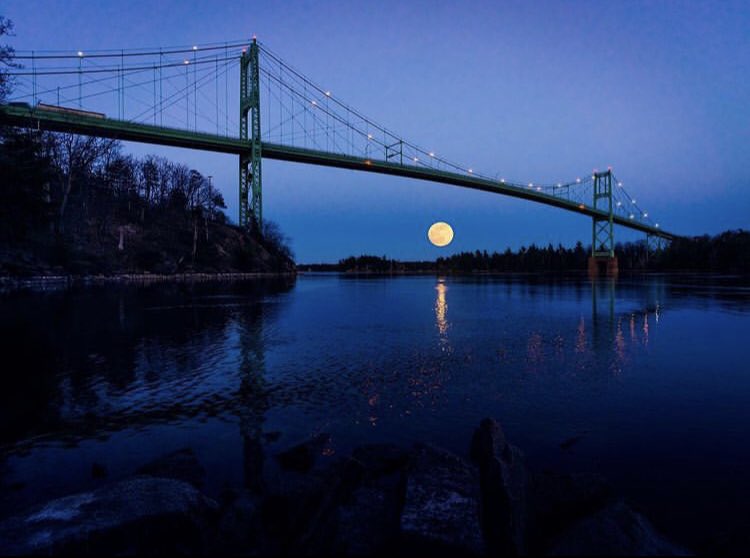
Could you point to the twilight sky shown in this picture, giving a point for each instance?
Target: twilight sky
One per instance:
(531, 91)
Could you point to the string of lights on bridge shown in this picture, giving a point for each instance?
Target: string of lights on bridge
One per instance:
(195, 87)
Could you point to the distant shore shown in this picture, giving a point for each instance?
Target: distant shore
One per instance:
(42, 282)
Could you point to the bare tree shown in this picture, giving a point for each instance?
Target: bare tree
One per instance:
(73, 158)
(6, 59)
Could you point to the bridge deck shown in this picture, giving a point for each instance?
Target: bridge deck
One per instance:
(146, 133)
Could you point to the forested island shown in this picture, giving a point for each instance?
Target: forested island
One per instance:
(728, 252)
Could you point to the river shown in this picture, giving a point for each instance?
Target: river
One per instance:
(644, 380)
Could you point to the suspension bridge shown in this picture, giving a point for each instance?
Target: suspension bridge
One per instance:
(208, 97)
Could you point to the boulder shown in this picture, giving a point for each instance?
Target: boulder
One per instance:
(504, 485)
(240, 529)
(616, 530)
(134, 516)
(557, 500)
(441, 506)
(180, 465)
(381, 459)
(371, 502)
(301, 458)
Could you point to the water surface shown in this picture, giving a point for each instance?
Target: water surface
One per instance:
(643, 380)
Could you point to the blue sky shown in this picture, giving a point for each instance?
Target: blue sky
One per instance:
(532, 91)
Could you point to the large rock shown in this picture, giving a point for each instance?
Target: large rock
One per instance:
(181, 465)
(504, 484)
(616, 530)
(441, 507)
(370, 509)
(301, 458)
(558, 500)
(240, 530)
(139, 515)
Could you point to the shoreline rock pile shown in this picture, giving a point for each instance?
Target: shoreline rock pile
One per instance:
(381, 500)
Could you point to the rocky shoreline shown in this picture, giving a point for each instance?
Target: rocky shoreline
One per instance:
(382, 499)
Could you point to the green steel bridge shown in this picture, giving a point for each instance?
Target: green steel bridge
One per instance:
(182, 97)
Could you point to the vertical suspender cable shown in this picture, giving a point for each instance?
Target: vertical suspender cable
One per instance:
(80, 75)
(216, 96)
(161, 95)
(195, 92)
(33, 70)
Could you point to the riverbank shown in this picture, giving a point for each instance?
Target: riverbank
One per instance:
(44, 282)
(380, 499)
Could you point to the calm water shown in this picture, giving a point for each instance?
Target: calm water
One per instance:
(650, 376)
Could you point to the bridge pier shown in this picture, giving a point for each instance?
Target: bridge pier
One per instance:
(603, 266)
(603, 260)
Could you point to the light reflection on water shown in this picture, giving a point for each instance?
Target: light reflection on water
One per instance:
(118, 376)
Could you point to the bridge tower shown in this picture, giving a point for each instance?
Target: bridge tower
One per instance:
(251, 211)
(603, 259)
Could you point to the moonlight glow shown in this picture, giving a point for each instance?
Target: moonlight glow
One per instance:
(440, 234)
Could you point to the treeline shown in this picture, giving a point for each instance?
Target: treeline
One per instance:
(80, 204)
(726, 252)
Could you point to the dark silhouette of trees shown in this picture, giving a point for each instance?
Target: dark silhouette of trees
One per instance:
(6, 58)
(80, 204)
(727, 252)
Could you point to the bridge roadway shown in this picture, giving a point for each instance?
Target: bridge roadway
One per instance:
(26, 116)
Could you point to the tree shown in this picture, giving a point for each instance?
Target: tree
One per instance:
(74, 157)
(275, 240)
(6, 59)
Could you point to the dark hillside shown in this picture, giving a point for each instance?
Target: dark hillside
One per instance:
(78, 205)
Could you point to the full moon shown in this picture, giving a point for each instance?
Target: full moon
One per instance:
(440, 234)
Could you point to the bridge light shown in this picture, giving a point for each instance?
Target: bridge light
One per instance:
(538, 188)
(531, 185)
(559, 184)
(619, 184)
(657, 225)
(502, 180)
(632, 201)
(369, 136)
(580, 206)
(470, 171)
(314, 103)
(645, 214)
(368, 162)
(578, 180)
(80, 53)
(328, 93)
(632, 216)
(619, 204)
(195, 47)
(416, 159)
(186, 61)
(432, 154)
